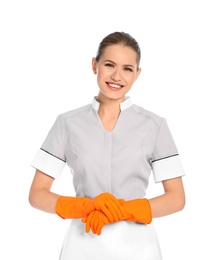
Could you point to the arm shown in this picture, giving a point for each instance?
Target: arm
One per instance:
(40, 196)
(173, 199)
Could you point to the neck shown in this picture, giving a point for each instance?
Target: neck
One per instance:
(109, 107)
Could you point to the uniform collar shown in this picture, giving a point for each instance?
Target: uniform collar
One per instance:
(123, 106)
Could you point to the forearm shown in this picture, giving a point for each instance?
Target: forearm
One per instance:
(166, 204)
(44, 200)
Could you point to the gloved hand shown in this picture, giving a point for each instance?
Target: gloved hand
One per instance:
(95, 221)
(108, 204)
(78, 207)
(137, 210)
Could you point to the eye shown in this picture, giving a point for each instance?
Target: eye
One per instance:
(128, 69)
(109, 65)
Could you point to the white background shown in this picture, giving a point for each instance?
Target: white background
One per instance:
(46, 49)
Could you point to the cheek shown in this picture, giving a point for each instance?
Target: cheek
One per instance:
(102, 74)
(134, 78)
(130, 79)
(101, 79)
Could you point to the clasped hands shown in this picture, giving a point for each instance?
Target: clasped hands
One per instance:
(107, 210)
(103, 209)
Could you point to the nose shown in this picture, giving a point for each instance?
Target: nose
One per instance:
(116, 75)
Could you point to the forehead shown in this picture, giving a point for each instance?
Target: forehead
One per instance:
(119, 53)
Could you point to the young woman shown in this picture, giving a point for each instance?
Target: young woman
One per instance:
(111, 146)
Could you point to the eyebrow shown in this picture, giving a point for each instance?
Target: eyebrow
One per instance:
(126, 65)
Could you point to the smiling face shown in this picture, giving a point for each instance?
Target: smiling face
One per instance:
(116, 71)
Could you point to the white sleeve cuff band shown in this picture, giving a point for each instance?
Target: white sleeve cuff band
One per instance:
(48, 164)
(167, 168)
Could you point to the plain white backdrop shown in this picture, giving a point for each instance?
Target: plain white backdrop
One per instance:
(46, 49)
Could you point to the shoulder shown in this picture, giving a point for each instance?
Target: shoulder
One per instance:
(73, 114)
(148, 115)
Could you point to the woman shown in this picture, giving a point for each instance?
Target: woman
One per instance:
(111, 147)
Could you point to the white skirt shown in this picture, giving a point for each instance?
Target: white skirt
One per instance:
(118, 241)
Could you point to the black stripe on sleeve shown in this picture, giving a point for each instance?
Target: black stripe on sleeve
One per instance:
(165, 157)
(52, 155)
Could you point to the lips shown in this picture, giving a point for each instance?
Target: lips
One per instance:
(114, 86)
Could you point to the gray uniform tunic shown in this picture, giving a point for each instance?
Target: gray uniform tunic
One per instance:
(118, 161)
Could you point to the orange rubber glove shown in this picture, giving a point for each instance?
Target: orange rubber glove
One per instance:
(78, 207)
(95, 221)
(137, 210)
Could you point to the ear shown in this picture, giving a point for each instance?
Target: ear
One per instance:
(94, 65)
(138, 73)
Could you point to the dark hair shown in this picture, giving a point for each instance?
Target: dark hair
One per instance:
(119, 38)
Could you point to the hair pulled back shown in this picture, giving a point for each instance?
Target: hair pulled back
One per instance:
(119, 38)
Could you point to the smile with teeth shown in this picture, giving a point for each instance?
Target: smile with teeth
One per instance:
(112, 85)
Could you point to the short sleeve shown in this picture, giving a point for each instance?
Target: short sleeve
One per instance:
(166, 163)
(50, 158)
